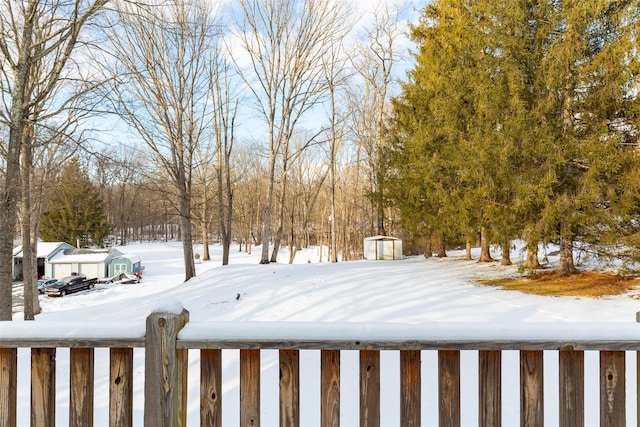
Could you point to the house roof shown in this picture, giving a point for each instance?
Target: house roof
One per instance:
(44, 250)
(85, 256)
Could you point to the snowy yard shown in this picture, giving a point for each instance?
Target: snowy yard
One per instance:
(412, 291)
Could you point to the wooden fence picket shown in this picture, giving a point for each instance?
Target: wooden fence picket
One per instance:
(369, 388)
(410, 388)
(43, 387)
(8, 386)
(612, 389)
(289, 388)
(571, 393)
(120, 387)
(449, 388)
(531, 388)
(81, 372)
(211, 387)
(250, 388)
(490, 388)
(329, 388)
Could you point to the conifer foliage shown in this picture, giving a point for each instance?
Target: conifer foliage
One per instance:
(75, 212)
(519, 120)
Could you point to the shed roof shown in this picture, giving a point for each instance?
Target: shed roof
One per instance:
(381, 238)
(134, 258)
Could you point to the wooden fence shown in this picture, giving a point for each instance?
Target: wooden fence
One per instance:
(167, 337)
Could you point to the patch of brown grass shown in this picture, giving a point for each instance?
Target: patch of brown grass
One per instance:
(585, 284)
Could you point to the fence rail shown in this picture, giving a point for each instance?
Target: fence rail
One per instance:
(167, 337)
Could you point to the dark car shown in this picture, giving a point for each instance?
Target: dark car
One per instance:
(68, 285)
(44, 283)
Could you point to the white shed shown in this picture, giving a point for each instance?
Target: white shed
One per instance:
(382, 248)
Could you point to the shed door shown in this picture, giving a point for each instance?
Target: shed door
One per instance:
(119, 267)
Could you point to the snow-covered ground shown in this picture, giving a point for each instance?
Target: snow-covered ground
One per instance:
(414, 290)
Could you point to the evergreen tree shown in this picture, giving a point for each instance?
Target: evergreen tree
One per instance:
(589, 65)
(455, 115)
(75, 211)
(515, 121)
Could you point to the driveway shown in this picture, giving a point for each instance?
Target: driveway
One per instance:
(17, 298)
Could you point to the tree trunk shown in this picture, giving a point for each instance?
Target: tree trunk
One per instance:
(35, 219)
(442, 247)
(428, 248)
(11, 191)
(222, 214)
(485, 251)
(532, 262)
(332, 222)
(283, 198)
(29, 251)
(226, 248)
(187, 239)
(266, 225)
(205, 242)
(467, 255)
(506, 254)
(226, 240)
(566, 266)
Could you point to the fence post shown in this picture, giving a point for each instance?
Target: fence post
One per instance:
(165, 370)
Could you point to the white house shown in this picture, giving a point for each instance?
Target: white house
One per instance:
(382, 248)
(44, 252)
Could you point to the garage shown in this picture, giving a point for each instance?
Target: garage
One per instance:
(89, 262)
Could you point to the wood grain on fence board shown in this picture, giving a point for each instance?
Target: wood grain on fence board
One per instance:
(612, 389)
(490, 388)
(250, 388)
(81, 373)
(211, 388)
(121, 387)
(289, 388)
(330, 388)
(165, 368)
(410, 388)
(531, 388)
(8, 386)
(449, 388)
(571, 396)
(369, 388)
(43, 387)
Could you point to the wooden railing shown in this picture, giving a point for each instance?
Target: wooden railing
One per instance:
(167, 337)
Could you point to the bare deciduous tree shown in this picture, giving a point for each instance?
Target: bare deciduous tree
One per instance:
(285, 41)
(336, 75)
(37, 42)
(162, 91)
(225, 108)
(373, 63)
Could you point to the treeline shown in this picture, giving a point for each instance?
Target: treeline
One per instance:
(252, 121)
(141, 207)
(520, 121)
